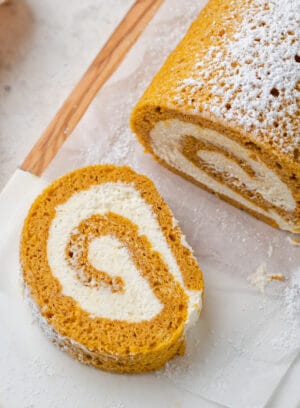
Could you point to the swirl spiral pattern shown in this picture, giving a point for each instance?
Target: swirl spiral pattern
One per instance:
(231, 170)
(107, 270)
(223, 110)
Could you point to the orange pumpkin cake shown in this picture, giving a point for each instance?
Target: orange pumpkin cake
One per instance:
(224, 110)
(107, 270)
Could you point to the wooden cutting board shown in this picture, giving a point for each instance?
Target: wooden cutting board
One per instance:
(103, 66)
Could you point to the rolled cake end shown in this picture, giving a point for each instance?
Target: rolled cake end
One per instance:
(214, 115)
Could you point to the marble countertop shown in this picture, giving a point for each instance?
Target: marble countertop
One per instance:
(45, 46)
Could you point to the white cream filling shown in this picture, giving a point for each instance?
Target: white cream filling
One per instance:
(137, 302)
(166, 137)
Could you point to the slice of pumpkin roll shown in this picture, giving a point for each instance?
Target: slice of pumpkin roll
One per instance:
(224, 110)
(107, 270)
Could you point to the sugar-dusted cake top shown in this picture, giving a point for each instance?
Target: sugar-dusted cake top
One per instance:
(245, 69)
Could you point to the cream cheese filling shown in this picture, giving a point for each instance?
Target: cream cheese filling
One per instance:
(107, 253)
(166, 138)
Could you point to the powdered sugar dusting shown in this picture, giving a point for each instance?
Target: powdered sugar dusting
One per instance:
(228, 244)
(291, 314)
(283, 319)
(254, 77)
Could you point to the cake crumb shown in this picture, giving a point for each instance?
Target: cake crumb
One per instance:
(276, 276)
(259, 278)
(270, 251)
(293, 241)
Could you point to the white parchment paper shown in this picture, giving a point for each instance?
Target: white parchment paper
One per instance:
(245, 341)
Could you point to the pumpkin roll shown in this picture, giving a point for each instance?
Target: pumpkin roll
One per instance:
(224, 109)
(108, 271)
